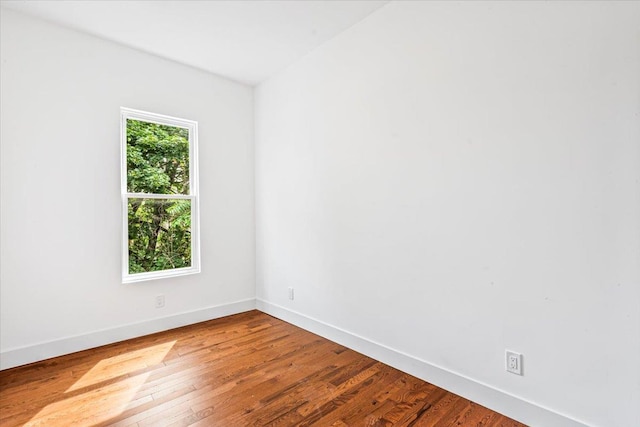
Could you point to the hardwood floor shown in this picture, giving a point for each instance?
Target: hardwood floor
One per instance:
(241, 370)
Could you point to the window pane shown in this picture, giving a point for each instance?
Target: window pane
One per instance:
(159, 234)
(157, 158)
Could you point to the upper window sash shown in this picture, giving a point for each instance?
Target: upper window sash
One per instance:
(189, 125)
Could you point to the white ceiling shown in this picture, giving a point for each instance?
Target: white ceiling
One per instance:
(247, 41)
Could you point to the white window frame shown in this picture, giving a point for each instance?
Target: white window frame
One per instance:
(192, 127)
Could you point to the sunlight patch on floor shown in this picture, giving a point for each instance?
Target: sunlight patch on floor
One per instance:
(123, 364)
(90, 408)
(103, 403)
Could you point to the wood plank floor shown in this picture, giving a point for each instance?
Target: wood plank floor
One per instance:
(241, 370)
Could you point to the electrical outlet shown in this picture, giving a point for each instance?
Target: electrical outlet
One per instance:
(514, 362)
(291, 293)
(160, 301)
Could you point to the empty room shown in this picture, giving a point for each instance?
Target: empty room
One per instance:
(327, 213)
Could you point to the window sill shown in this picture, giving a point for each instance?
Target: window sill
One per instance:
(163, 274)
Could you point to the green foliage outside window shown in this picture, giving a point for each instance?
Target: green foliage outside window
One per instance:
(159, 229)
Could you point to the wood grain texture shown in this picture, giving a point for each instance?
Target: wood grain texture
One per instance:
(248, 369)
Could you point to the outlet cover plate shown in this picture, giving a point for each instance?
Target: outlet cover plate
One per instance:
(513, 362)
(159, 301)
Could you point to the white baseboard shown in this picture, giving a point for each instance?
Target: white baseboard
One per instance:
(501, 401)
(498, 400)
(34, 353)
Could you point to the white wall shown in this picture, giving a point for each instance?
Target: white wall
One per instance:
(61, 225)
(449, 180)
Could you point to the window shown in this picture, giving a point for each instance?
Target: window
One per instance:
(159, 184)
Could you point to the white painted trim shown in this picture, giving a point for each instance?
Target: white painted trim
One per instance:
(161, 274)
(506, 403)
(35, 353)
(498, 400)
(159, 196)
